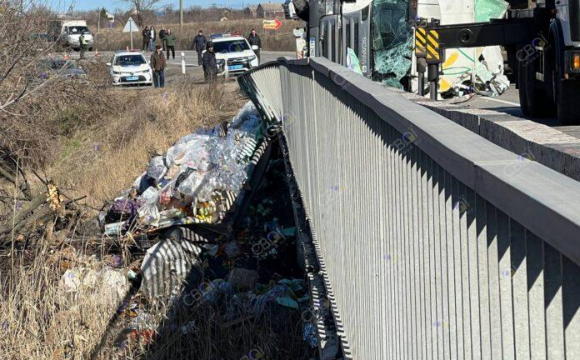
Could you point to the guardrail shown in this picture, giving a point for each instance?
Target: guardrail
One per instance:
(435, 243)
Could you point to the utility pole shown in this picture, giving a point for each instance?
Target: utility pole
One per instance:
(180, 17)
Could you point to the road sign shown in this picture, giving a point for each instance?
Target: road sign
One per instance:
(433, 46)
(130, 26)
(271, 24)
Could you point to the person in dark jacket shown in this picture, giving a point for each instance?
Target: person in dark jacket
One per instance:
(146, 38)
(254, 40)
(162, 34)
(209, 64)
(199, 44)
(158, 63)
(170, 39)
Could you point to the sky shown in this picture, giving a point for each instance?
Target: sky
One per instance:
(114, 4)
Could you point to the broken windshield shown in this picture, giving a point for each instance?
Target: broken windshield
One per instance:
(392, 41)
(77, 30)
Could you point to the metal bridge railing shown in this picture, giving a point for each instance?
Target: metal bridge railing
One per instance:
(435, 243)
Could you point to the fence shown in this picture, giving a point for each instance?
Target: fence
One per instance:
(435, 243)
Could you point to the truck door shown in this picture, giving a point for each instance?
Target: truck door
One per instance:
(356, 30)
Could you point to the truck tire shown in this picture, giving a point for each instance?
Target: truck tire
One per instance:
(567, 95)
(534, 99)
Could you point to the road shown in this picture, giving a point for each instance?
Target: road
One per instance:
(190, 56)
(174, 66)
(509, 103)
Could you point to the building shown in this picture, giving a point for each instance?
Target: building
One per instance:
(270, 11)
(251, 11)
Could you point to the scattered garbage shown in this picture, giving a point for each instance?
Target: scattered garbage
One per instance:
(217, 288)
(108, 284)
(194, 182)
(309, 334)
(243, 279)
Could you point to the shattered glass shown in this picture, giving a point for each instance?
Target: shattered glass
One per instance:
(489, 9)
(392, 41)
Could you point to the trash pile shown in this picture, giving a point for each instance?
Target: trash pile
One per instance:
(196, 182)
(242, 293)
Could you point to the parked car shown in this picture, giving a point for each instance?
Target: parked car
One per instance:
(130, 68)
(47, 68)
(234, 50)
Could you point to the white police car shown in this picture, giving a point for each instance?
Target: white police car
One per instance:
(130, 68)
(234, 50)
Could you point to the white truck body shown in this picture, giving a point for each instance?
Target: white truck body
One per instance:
(68, 33)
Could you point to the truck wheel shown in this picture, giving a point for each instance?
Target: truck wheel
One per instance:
(534, 99)
(567, 95)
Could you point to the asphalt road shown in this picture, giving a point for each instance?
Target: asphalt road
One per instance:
(173, 71)
(190, 56)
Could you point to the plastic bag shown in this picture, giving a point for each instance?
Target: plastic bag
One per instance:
(190, 184)
(157, 168)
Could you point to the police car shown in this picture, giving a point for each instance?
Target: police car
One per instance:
(130, 68)
(234, 50)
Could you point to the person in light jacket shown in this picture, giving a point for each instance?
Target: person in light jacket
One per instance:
(153, 39)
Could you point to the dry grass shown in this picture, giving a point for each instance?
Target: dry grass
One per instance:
(94, 142)
(113, 151)
(37, 320)
(281, 40)
(91, 140)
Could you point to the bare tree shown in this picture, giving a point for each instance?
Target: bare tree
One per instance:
(141, 6)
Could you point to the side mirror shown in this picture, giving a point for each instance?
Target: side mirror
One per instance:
(255, 47)
(108, 64)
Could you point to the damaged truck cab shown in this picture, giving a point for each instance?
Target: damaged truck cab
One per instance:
(541, 39)
(374, 30)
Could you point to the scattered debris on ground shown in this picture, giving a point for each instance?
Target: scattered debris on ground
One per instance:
(222, 281)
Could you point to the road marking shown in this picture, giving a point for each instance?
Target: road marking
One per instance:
(502, 101)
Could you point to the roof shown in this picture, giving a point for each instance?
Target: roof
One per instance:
(252, 7)
(228, 38)
(125, 52)
(272, 7)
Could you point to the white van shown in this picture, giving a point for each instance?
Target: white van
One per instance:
(68, 33)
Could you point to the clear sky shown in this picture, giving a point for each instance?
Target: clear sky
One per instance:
(114, 4)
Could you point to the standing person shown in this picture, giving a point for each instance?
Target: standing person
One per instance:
(153, 38)
(162, 34)
(83, 45)
(170, 39)
(199, 44)
(209, 64)
(146, 38)
(254, 40)
(158, 63)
